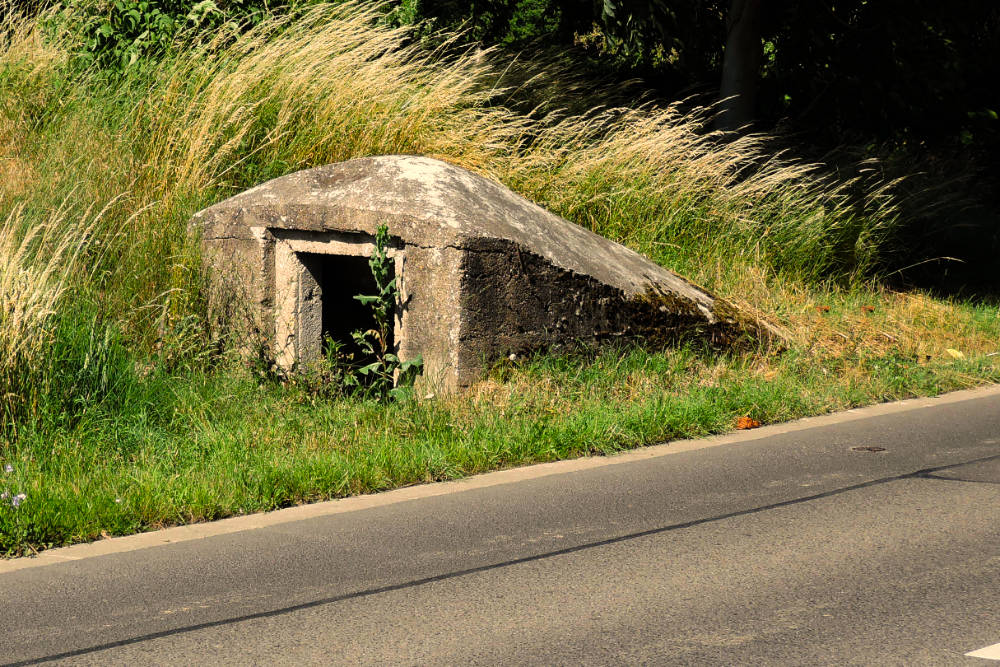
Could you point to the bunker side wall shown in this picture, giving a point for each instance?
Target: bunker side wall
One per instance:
(514, 301)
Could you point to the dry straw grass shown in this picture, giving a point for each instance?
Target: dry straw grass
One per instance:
(36, 262)
(324, 86)
(332, 84)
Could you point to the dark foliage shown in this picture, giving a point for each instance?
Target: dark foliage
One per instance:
(911, 82)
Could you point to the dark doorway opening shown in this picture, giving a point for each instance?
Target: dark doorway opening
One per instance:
(340, 278)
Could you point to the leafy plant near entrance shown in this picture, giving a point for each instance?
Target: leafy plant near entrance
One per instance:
(379, 378)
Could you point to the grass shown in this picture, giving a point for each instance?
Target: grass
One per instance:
(204, 447)
(124, 408)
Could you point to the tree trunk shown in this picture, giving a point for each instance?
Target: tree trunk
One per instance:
(740, 65)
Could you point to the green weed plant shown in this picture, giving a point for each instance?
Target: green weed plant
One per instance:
(388, 376)
(385, 377)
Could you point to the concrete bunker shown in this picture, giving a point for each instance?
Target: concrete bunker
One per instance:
(482, 272)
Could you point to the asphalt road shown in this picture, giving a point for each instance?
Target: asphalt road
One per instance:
(793, 548)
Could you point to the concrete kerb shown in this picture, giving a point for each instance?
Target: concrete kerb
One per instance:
(356, 503)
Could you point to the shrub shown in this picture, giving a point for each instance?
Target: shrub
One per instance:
(118, 34)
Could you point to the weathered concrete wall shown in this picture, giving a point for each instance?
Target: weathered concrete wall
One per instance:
(483, 272)
(242, 266)
(431, 313)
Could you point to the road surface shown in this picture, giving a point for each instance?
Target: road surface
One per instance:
(866, 538)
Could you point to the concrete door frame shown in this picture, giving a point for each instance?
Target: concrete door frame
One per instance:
(298, 305)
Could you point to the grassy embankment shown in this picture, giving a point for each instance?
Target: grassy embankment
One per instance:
(122, 412)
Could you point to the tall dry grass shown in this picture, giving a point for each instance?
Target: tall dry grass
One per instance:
(37, 262)
(225, 111)
(330, 83)
(325, 85)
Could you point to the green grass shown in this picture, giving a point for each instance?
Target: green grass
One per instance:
(195, 446)
(124, 408)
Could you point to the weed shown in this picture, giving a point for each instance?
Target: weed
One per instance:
(387, 377)
(377, 372)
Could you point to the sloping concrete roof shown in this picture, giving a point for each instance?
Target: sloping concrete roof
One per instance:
(428, 202)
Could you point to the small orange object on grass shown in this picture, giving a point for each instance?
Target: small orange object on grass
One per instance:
(744, 423)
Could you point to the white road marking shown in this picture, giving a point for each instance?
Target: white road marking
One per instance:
(989, 653)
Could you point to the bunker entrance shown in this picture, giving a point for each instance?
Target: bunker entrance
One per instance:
(339, 278)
